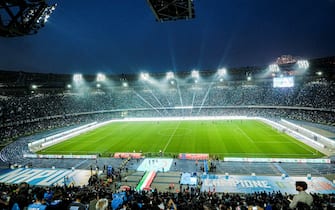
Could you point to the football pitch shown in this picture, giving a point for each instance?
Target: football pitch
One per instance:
(221, 138)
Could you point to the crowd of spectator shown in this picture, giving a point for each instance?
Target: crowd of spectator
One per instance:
(31, 113)
(96, 197)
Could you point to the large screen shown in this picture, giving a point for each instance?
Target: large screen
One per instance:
(280, 82)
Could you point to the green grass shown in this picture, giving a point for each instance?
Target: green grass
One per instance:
(225, 138)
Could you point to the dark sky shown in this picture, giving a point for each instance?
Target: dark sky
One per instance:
(123, 37)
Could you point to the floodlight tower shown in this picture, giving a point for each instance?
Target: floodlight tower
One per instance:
(169, 75)
(101, 77)
(195, 74)
(222, 72)
(167, 10)
(274, 68)
(23, 17)
(77, 78)
(303, 64)
(144, 76)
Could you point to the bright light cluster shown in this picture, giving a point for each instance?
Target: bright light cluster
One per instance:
(101, 77)
(46, 14)
(170, 75)
(144, 76)
(222, 72)
(274, 68)
(77, 78)
(303, 64)
(195, 74)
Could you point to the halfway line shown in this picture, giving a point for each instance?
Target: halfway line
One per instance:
(171, 137)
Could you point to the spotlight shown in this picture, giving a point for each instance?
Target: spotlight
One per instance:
(222, 72)
(170, 75)
(303, 64)
(195, 74)
(274, 68)
(144, 76)
(101, 77)
(23, 17)
(77, 78)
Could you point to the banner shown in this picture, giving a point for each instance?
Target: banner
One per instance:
(188, 156)
(251, 184)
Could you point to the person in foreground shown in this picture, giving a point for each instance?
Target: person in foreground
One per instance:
(302, 198)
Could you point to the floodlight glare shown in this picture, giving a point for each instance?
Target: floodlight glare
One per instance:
(172, 82)
(145, 76)
(101, 77)
(303, 64)
(170, 75)
(221, 80)
(249, 78)
(319, 73)
(34, 87)
(69, 86)
(274, 68)
(222, 72)
(125, 84)
(98, 85)
(77, 77)
(195, 74)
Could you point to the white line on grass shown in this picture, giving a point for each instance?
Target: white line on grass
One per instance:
(172, 135)
(245, 134)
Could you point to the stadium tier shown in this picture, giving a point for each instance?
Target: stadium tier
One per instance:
(138, 134)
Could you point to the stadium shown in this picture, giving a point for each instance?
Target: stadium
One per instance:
(209, 138)
(170, 126)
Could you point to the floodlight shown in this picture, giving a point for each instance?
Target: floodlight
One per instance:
(319, 73)
(222, 72)
(221, 80)
(101, 77)
(195, 74)
(69, 86)
(34, 87)
(172, 82)
(170, 75)
(303, 64)
(98, 85)
(274, 68)
(249, 78)
(23, 17)
(124, 84)
(144, 76)
(77, 77)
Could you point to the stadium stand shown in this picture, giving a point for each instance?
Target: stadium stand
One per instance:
(25, 112)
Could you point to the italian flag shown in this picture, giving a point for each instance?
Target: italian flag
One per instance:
(146, 180)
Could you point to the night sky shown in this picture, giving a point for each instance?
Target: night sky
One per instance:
(116, 37)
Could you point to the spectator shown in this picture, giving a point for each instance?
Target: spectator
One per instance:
(102, 204)
(76, 204)
(39, 202)
(302, 197)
